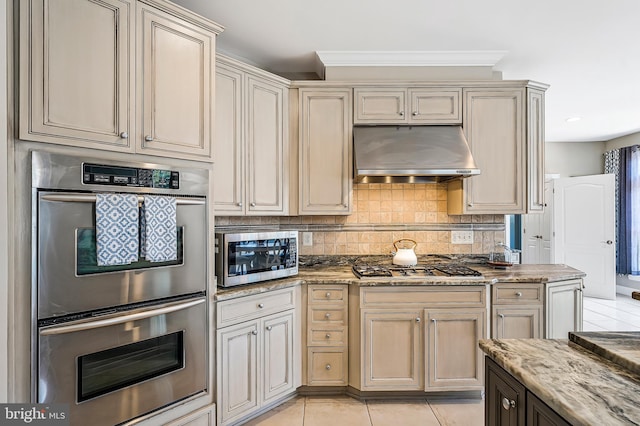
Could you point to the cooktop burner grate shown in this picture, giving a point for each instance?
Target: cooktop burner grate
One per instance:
(453, 270)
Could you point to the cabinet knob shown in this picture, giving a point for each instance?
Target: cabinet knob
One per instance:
(433, 320)
(415, 113)
(328, 335)
(501, 315)
(124, 135)
(239, 204)
(418, 320)
(345, 205)
(254, 332)
(253, 204)
(469, 204)
(328, 366)
(260, 305)
(518, 294)
(507, 403)
(148, 138)
(401, 113)
(269, 328)
(328, 295)
(327, 315)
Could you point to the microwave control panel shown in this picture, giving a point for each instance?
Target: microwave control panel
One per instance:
(99, 174)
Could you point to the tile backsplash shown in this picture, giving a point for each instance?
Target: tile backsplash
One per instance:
(382, 214)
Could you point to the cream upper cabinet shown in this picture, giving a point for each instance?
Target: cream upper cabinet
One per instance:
(77, 73)
(325, 159)
(535, 151)
(495, 128)
(251, 144)
(83, 85)
(408, 105)
(175, 85)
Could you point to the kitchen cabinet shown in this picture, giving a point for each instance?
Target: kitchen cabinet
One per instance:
(327, 335)
(517, 311)
(142, 77)
(251, 150)
(417, 338)
(563, 308)
(535, 151)
(509, 403)
(325, 167)
(258, 353)
(415, 105)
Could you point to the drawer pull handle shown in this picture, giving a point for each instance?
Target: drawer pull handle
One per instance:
(328, 336)
(328, 366)
(518, 294)
(260, 305)
(508, 404)
(254, 332)
(269, 328)
(328, 295)
(327, 315)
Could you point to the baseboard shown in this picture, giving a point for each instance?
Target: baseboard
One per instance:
(620, 289)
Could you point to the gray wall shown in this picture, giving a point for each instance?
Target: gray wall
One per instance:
(568, 159)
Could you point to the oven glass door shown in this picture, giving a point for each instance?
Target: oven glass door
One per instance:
(67, 265)
(260, 255)
(120, 367)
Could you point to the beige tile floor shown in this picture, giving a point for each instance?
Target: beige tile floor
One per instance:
(346, 411)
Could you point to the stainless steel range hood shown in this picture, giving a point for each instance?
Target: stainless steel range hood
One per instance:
(411, 154)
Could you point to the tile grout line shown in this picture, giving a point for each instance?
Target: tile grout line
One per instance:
(435, 415)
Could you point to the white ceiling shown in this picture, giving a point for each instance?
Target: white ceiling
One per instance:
(587, 50)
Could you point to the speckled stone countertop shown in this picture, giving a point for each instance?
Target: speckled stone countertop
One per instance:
(582, 387)
(337, 270)
(621, 347)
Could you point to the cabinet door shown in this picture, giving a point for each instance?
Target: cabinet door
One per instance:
(504, 398)
(454, 363)
(278, 356)
(325, 151)
(175, 79)
(493, 122)
(237, 368)
(265, 147)
(383, 106)
(564, 309)
(391, 350)
(435, 106)
(516, 323)
(535, 151)
(228, 169)
(77, 62)
(539, 414)
(327, 366)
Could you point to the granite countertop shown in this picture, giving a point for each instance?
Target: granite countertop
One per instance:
(581, 386)
(337, 270)
(620, 347)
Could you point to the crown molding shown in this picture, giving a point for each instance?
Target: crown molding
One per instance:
(456, 58)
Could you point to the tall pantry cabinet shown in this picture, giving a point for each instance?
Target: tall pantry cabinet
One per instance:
(118, 75)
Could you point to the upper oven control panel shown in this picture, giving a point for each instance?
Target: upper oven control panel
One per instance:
(100, 174)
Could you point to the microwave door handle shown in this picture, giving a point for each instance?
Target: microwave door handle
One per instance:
(92, 324)
(89, 198)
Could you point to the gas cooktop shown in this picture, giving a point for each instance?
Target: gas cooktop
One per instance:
(417, 271)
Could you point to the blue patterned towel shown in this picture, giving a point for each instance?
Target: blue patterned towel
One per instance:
(116, 229)
(158, 240)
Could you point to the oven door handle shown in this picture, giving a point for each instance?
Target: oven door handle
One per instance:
(90, 198)
(92, 324)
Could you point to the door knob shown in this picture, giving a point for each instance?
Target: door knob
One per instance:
(609, 242)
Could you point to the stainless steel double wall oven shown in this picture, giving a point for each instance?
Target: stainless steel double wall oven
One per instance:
(115, 342)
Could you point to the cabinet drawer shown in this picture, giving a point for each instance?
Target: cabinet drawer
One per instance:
(250, 307)
(516, 294)
(327, 367)
(427, 296)
(326, 316)
(326, 337)
(327, 294)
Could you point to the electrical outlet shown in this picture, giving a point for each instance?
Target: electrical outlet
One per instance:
(461, 237)
(307, 238)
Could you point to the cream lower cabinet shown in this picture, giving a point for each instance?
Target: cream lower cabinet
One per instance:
(325, 167)
(120, 75)
(563, 308)
(517, 311)
(418, 338)
(258, 358)
(251, 150)
(203, 417)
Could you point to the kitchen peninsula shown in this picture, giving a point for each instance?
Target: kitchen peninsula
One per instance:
(592, 379)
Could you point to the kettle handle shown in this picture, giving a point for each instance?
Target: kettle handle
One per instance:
(395, 243)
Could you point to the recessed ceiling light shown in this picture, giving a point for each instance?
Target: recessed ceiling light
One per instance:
(573, 119)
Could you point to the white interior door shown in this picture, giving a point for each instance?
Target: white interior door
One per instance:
(536, 232)
(584, 230)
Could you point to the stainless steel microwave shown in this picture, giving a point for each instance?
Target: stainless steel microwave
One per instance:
(249, 257)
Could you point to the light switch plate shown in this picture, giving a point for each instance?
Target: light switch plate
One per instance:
(461, 237)
(307, 238)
